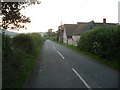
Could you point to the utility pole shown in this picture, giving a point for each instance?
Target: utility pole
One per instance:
(119, 12)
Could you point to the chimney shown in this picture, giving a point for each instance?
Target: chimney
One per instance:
(104, 20)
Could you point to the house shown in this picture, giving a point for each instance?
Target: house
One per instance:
(98, 24)
(60, 33)
(50, 30)
(82, 27)
(70, 33)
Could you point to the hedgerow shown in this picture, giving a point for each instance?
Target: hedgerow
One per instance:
(19, 55)
(103, 41)
(23, 42)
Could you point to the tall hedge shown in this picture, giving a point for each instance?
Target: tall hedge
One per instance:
(19, 55)
(23, 42)
(8, 70)
(104, 41)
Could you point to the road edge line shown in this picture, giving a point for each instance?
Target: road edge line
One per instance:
(60, 54)
(85, 83)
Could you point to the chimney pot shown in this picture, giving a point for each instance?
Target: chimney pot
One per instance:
(104, 20)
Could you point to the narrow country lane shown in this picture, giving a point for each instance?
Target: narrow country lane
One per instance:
(60, 67)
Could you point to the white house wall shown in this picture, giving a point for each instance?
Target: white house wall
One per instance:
(75, 40)
(64, 36)
(60, 39)
(70, 41)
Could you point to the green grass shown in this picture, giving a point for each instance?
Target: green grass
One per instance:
(28, 65)
(114, 64)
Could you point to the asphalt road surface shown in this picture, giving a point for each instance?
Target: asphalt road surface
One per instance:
(60, 67)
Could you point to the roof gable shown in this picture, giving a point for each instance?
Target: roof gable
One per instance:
(70, 28)
(101, 24)
(76, 29)
(82, 27)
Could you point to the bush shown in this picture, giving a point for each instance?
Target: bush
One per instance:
(6, 47)
(19, 58)
(8, 71)
(23, 42)
(104, 41)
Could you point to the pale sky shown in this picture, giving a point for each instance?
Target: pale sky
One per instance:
(50, 13)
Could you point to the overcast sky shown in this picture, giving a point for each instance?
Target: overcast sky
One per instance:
(50, 13)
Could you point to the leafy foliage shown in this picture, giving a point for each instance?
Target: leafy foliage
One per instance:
(19, 58)
(104, 41)
(6, 47)
(23, 42)
(7, 57)
(51, 35)
(11, 13)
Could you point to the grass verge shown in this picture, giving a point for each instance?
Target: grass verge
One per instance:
(114, 64)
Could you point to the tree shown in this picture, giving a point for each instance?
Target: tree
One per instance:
(11, 16)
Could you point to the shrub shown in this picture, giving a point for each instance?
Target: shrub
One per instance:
(6, 47)
(19, 58)
(8, 71)
(23, 42)
(104, 41)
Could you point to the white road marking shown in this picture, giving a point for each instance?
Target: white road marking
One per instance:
(54, 47)
(60, 54)
(85, 83)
